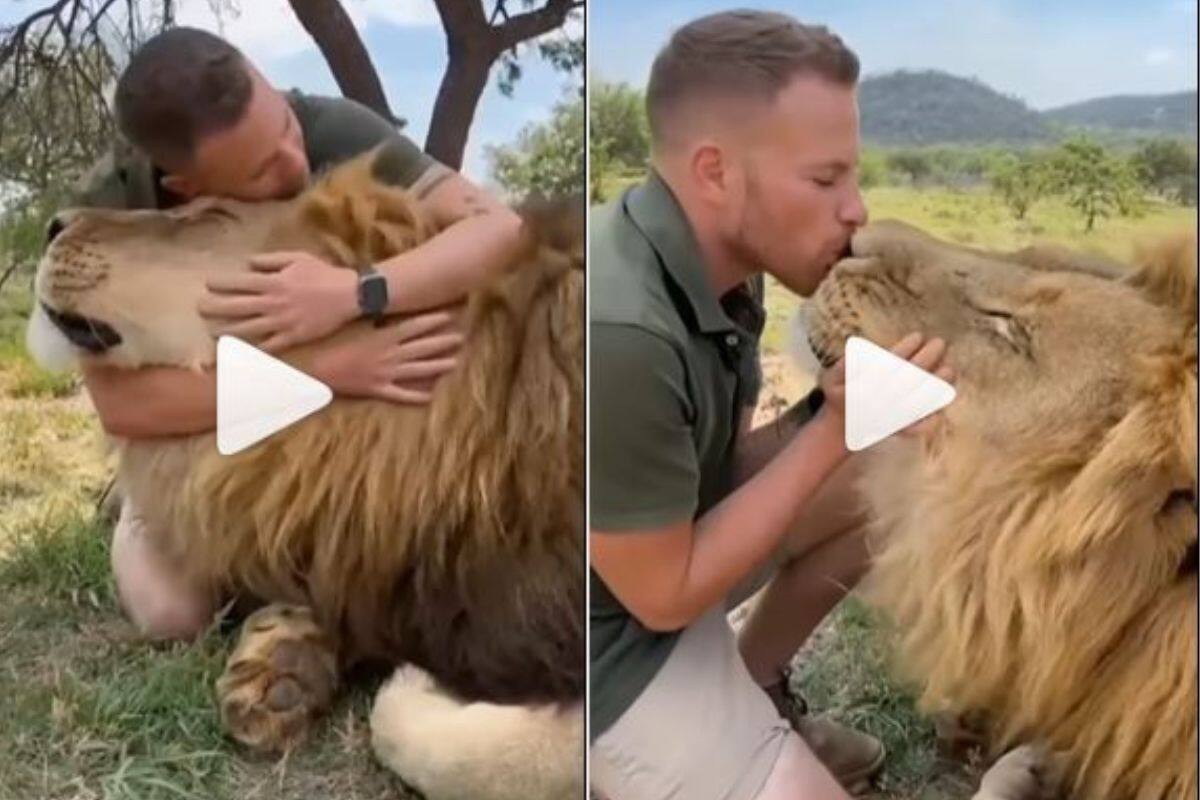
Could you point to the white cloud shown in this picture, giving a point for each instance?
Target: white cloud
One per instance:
(397, 12)
(1159, 55)
(261, 29)
(268, 29)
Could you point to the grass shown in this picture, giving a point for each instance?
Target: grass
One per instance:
(844, 672)
(92, 711)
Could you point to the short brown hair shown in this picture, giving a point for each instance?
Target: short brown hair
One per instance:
(180, 86)
(738, 54)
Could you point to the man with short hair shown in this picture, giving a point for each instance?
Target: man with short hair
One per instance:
(199, 119)
(754, 128)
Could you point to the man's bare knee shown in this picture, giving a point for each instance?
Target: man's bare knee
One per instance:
(165, 619)
(798, 774)
(160, 601)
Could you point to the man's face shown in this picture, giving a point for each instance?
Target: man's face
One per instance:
(261, 157)
(800, 201)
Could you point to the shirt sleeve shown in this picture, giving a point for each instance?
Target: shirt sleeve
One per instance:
(644, 470)
(344, 128)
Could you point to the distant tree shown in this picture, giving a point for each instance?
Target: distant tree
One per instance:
(1095, 182)
(547, 158)
(617, 116)
(872, 169)
(915, 164)
(1168, 168)
(601, 168)
(1020, 180)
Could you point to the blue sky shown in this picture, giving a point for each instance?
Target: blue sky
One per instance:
(406, 44)
(1048, 53)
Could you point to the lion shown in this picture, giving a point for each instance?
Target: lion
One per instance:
(1038, 550)
(447, 538)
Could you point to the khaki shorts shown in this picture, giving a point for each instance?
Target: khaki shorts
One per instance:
(701, 730)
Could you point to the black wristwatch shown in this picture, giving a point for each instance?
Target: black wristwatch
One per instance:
(372, 294)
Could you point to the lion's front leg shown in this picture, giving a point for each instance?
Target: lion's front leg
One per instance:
(280, 678)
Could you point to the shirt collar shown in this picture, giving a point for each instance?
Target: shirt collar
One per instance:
(654, 210)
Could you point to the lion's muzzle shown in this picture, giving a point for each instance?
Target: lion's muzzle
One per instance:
(92, 335)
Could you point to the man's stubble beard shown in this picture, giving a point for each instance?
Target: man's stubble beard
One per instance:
(743, 244)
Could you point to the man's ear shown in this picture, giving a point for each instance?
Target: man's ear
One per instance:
(710, 171)
(180, 186)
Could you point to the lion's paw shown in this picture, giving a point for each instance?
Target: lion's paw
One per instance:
(1024, 773)
(281, 676)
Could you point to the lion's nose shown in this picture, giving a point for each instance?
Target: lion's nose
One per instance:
(58, 224)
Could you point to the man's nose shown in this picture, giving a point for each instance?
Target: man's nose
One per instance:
(854, 210)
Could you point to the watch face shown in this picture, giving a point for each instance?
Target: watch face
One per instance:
(373, 294)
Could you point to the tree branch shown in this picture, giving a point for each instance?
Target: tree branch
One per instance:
(532, 24)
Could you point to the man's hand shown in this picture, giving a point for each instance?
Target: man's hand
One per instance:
(913, 348)
(400, 361)
(288, 299)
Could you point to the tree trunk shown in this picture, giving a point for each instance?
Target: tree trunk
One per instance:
(330, 27)
(463, 83)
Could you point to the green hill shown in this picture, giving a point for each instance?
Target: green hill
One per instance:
(1169, 114)
(913, 108)
(931, 107)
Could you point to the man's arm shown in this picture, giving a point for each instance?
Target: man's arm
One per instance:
(479, 237)
(302, 298)
(645, 481)
(152, 401)
(755, 447)
(667, 577)
(396, 362)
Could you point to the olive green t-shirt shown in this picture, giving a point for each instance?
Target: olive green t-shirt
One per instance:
(335, 129)
(670, 372)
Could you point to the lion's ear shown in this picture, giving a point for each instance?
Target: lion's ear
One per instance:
(389, 162)
(1166, 273)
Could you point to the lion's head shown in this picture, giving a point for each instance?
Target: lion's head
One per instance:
(123, 286)
(1039, 551)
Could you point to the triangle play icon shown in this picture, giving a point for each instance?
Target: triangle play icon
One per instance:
(258, 395)
(885, 393)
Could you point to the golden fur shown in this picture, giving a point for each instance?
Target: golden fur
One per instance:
(448, 536)
(1038, 554)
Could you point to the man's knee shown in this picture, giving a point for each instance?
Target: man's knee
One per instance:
(159, 601)
(166, 618)
(799, 775)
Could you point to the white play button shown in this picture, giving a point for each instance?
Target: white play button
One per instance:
(258, 395)
(885, 393)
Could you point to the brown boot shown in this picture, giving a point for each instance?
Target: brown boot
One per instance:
(853, 758)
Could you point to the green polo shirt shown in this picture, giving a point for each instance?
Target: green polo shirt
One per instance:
(335, 130)
(670, 373)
